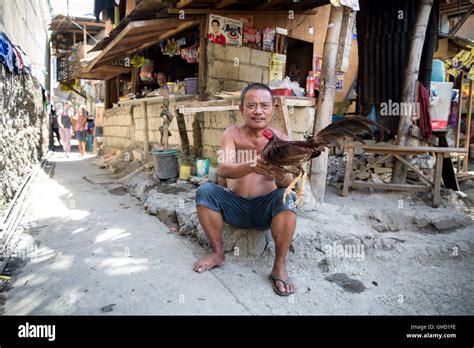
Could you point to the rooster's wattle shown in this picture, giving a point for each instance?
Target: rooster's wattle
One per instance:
(289, 156)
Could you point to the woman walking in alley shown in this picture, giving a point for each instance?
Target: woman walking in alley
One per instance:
(65, 128)
(80, 128)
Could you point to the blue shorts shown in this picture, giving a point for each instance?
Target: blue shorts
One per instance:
(253, 212)
(81, 135)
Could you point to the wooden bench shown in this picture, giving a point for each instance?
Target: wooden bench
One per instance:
(397, 152)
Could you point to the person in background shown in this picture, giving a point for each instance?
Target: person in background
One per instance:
(55, 124)
(80, 128)
(162, 80)
(65, 123)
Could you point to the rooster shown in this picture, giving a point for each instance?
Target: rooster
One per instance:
(289, 156)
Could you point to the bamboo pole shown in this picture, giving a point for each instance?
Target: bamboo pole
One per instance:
(319, 165)
(468, 126)
(458, 122)
(411, 75)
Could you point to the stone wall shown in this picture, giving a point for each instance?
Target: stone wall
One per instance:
(231, 68)
(24, 131)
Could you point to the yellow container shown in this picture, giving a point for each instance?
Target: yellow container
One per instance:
(185, 171)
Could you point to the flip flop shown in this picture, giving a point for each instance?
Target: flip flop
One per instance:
(275, 287)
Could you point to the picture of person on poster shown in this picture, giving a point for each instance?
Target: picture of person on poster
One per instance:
(216, 36)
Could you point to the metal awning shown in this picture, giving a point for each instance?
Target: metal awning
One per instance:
(136, 36)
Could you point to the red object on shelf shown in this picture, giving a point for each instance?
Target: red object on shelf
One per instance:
(282, 91)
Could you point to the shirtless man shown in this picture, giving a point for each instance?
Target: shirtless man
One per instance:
(255, 190)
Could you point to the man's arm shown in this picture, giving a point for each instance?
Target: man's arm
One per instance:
(226, 167)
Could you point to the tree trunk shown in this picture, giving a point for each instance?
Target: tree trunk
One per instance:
(411, 75)
(319, 165)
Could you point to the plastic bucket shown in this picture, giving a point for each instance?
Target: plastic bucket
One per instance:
(185, 171)
(213, 176)
(202, 167)
(191, 85)
(89, 142)
(166, 164)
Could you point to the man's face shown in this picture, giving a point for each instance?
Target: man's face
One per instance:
(161, 79)
(257, 109)
(215, 28)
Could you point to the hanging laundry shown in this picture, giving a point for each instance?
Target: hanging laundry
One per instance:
(191, 54)
(7, 56)
(24, 58)
(425, 120)
(19, 66)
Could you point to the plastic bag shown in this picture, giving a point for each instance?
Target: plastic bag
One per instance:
(146, 72)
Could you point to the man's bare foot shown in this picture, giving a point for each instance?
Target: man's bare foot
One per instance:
(211, 261)
(281, 273)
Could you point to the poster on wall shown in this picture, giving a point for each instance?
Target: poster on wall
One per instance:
(339, 81)
(225, 31)
(277, 67)
(318, 67)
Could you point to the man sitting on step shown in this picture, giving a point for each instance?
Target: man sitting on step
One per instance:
(254, 194)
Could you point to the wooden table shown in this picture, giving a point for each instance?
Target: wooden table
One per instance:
(397, 152)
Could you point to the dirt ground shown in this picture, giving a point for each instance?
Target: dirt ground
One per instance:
(92, 249)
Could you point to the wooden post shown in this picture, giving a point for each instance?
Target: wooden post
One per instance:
(202, 72)
(348, 174)
(458, 120)
(409, 83)
(326, 100)
(146, 139)
(468, 126)
(437, 180)
(183, 134)
(84, 33)
(280, 103)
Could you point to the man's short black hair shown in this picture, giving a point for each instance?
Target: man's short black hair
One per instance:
(215, 20)
(254, 86)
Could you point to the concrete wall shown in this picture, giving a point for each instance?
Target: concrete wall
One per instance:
(26, 24)
(24, 131)
(124, 127)
(215, 123)
(231, 68)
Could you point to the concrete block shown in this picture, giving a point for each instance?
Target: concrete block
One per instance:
(250, 73)
(232, 53)
(139, 136)
(138, 155)
(233, 86)
(265, 78)
(212, 136)
(222, 120)
(154, 123)
(223, 70)
(258, 57)
(213, 86)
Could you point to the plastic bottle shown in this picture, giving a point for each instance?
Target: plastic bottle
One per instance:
(310, 82)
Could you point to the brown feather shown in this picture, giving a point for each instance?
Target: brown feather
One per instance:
(293, 153)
